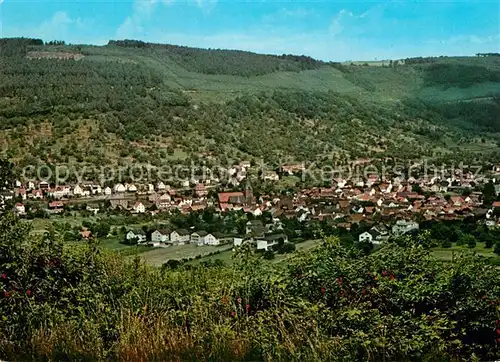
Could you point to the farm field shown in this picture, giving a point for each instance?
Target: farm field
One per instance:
(447, 254)
(226, 255)
(159, 256)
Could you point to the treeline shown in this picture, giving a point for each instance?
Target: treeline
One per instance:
(480, 115)
(422, 60)
(488, 55)
(219, 61)
(459, 75)
(10, 47)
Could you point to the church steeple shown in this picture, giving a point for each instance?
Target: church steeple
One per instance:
(248, 193)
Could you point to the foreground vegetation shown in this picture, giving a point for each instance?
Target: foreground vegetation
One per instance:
(333, 303)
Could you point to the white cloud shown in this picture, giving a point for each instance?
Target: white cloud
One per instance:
(57, 27)
(336, 27)
(132, 26)
(60, 26)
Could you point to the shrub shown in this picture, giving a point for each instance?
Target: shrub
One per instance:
(398, 303)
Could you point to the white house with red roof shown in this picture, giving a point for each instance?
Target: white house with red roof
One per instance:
(200, 190)
(139, 208)
(19, 209)
(21, 192)
(37, 194)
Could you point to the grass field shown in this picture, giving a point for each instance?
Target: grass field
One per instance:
(161, 255)
(447, 254)
(226, 255)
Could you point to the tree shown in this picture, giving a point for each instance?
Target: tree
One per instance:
(496, 250)
(100, 229)
(6, 174)
(446, 243)
(269, 255)
(489, 193)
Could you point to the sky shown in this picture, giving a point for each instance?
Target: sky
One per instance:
(327, 30)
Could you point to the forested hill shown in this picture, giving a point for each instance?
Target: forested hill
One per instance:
(158, 103)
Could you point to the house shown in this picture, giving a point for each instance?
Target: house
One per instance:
(119, 188)
(162, 201)
(255, 227)
(292, 168)
(60, 191)
(245, 164)
(19, 209)
(56, 206)
(85, 234)
(37, 194)
(160, 186)
(77, 191)
(237, 241)
(93, 208)
(160, 236)
(457, 201)
(233, 198)
(212, 239)
(200, 190)
(380, 230)
(270, 176)
(131, 188)
(6, 196)
(21, 192)
(96, 189)
(402, 227)
(365, 237)
(270, 241)
(43, 185)
(140, 236)
(139, 208)
(151, 188)
(198, 237)
(107, 191)
(221, 239)
(180, 237)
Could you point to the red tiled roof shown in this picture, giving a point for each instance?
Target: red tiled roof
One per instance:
(224, 196)
(55, 204)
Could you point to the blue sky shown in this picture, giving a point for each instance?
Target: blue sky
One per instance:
(328, 30)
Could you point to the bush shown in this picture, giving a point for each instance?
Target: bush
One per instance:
(269, 255)
(287, 248)
(87, 304)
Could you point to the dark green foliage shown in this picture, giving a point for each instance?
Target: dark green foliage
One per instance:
(135, 91)
(489, 193)
(496, 249)
(480, 115)
(459, 75)
(83, 303)
(216, 61)
(16, 47)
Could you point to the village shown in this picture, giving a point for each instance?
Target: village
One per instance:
(388, 206)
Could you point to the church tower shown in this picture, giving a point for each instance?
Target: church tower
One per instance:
(248, 193)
